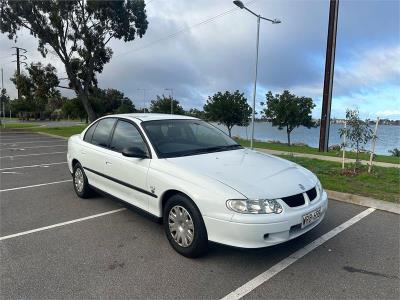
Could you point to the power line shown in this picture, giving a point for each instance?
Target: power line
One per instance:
(183, 30)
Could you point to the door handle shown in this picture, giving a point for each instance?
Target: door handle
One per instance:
(108, 163)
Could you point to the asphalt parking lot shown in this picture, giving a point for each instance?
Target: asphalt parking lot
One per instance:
(57, 246)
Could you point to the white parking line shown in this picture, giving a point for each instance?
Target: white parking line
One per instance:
(16, 132)
(10, 156)
(283, 264)
(26, 139)
(22, 147)
(41, 141)
(61, 224)
(34, 166)
(35, 185)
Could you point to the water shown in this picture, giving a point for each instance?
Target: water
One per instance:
(388, 135)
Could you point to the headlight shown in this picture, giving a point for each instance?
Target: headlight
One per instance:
(319, 187)
(254, 206)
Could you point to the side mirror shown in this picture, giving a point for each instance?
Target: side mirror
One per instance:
(134, 152)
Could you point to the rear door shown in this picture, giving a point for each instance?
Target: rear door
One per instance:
(94, 152)
(129, 174)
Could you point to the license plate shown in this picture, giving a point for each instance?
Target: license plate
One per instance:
(311, 217)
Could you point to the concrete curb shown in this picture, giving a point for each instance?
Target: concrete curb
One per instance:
(364, 201)
(52, 135)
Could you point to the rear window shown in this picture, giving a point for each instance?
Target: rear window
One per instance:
(101, 135)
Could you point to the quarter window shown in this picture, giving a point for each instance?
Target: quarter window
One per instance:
(101, 135)
(89, 133)
(126, 135)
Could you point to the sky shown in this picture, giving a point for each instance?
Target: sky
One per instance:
(197, 48)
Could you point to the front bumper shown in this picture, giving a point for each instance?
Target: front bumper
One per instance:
(266, 230)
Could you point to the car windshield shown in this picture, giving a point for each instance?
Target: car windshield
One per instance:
(173, 138)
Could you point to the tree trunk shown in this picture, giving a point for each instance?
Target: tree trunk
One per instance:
(88, 106)
(81, 92)
(229, 130)
(288, 136)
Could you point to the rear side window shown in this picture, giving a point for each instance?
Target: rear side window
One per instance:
(89, 133)
(101, 134)
(126, 135)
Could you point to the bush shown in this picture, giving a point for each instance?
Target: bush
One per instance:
(335, 148)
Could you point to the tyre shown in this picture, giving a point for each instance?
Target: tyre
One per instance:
(81, 185)
(184, 226)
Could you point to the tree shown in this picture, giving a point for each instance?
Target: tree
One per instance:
(229, 109)
(125, 107)
(395, 152)
(358, 133)
(73, 108)
(162, 105)
(196, 113)
(110, 101)
(77, 32)
(38, 86)
(4, 100)
(288, 111)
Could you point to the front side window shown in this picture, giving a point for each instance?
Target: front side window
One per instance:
(126, 135)
(173, 138)
(101, 135)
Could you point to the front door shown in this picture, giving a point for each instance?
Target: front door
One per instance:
(129, 174)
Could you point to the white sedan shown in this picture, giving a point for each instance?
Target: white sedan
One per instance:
(200, 182)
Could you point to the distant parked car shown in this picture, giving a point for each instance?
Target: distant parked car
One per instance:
(200, 182)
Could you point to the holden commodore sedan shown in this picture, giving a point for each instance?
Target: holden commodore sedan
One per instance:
(197, 180)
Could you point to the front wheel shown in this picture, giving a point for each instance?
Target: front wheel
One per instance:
(184, 226)
(81, 185)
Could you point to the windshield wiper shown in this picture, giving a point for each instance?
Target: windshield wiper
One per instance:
(206, 150)
(215, 149)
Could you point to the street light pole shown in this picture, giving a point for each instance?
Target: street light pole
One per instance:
(259, 17)
(144, 99)
(253, 113)
(172, 99)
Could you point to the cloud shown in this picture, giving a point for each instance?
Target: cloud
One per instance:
(198, 59)
(368, 69)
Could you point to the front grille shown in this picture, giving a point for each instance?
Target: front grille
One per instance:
(298, 200)
(295, 200)
(312, 194)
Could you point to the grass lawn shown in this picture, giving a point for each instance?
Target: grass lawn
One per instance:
(383, 183)
(311, 150)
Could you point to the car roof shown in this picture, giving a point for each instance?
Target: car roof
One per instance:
(153, 116)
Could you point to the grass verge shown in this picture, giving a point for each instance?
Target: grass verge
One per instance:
(65, 131)
(383, 183)
(19, 125)
(311, 150)
(61, 131)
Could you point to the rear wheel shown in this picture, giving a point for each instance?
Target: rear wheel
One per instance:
(81, 185)
(184, 226)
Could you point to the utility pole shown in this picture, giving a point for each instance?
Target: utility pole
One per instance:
(328, 80)
(18, 61)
